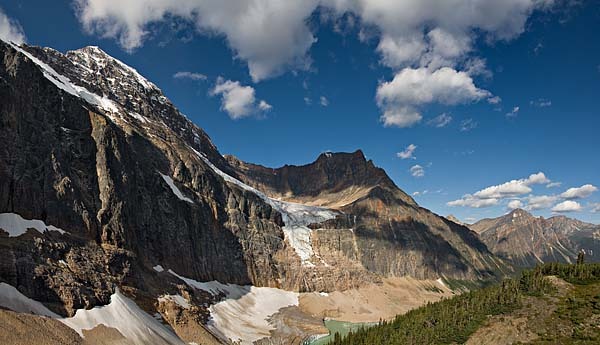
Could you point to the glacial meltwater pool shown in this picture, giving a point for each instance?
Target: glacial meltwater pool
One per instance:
(341, 327)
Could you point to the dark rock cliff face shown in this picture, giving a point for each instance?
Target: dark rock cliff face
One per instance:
(331, 174)
(90, 146)
(382, 228)
(66, 163)
(526, 240)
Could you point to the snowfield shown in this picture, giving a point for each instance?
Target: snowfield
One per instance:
(296, 217)
(244, 313)
(129, 319)
(16, 225)
(122, 314)
(14, 300)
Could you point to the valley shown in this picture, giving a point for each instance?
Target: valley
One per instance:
(122, 223)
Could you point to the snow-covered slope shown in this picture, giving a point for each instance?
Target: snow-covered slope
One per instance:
(66, 85)
(11, 298)
(125, 316)
(243, 315)
(122, 314)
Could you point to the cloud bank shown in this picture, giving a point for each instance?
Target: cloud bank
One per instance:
(514, 194)
(428, 44)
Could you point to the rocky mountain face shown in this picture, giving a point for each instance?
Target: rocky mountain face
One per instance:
(526, 240)
(380, 228)
(119, 184)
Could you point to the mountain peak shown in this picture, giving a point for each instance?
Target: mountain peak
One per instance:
(453, 218)
(519, 213)
(95, 59)
(92, 50)
(356, 156)
(331, 174)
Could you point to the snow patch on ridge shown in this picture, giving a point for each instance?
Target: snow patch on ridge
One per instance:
(441, 282)
(296, 217)
(14, 300)
(178, 299)
(244, 313)
(65, 84)
(175, 190)
(16, 225)
(124, 315)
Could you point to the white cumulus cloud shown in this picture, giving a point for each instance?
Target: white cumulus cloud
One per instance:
(440, 121)
(496, 193)
(538, 202)
(471, 201)
(410, 88)
(272, 36)
(269, 35)
(579, 192)
(408, 152)
(567, 206)
(494, 100)
(514, 204)
(10, 29)
(514, 112)
(539, 178)
(189, 75)
(553, 184)
(513, 187)
(468, 125)
(541, 103)
(238, 101)
(264, 106)
(417, 170)
(323, 101)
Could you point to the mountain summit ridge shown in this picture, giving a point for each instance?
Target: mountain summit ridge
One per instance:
(526, 240)
(335, 178)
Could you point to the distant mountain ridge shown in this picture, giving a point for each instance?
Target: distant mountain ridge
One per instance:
(526, 240)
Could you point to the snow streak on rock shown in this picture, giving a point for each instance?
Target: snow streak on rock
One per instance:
(16, 225)
(176, 190)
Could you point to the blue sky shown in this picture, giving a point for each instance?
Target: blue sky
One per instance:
(509, 90)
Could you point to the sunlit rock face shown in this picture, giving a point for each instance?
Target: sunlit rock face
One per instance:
(526, 240)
